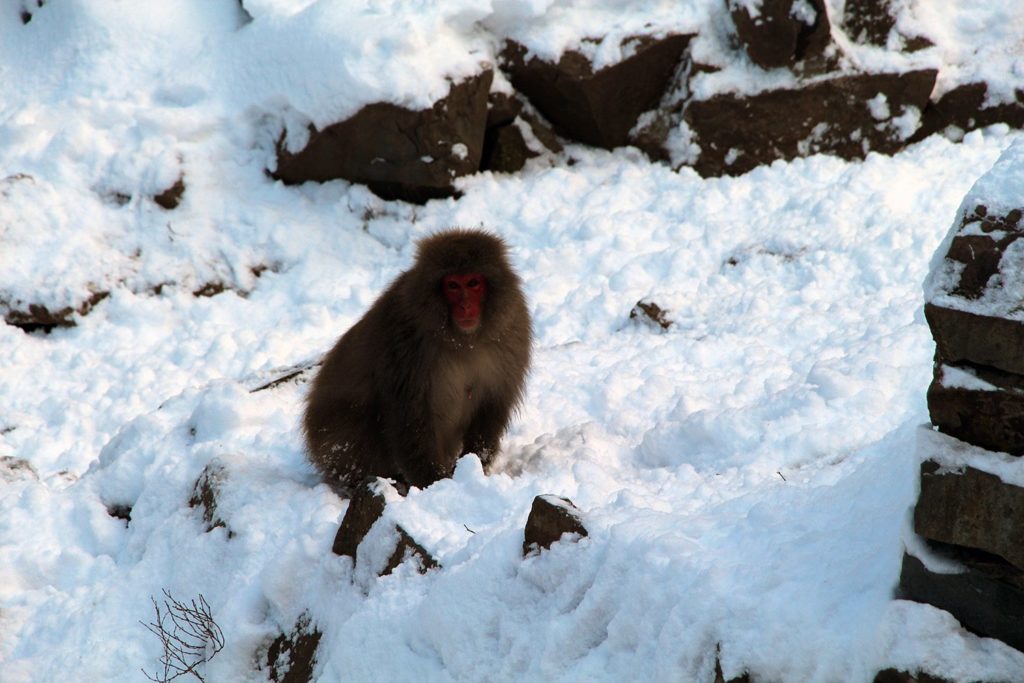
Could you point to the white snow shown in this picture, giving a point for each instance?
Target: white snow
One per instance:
(745, 476)
(964, 378)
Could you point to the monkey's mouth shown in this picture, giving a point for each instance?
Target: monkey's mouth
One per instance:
(467, 325)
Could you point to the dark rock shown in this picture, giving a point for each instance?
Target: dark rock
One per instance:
(365, 509)
(398, 153)
(650, 312)
(210, 289)
(976, 257)
(897, 676)
(989, 564)
(406, 549)
(981, 339)
(869, 21)
(971, 508)
(964, 108)
(502, 109)
(991, 417)
(737, 133)
(652, 131)
(204, 495)
(720, 677)
(39, 318)
(775, 37)
(982, 254)
(505, 150)
(984, 604)
(28, 8)
(598, 108)
(291, 657)
(542, 131)
(550, 517)
(171, 197)
(121, 511)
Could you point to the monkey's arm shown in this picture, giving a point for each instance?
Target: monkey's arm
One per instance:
(484, 432)
(415, 450)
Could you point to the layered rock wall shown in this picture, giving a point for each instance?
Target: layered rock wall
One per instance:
(969, 517)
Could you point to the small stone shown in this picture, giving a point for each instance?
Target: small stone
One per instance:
(171, 197)
(650, 312)
(204, 495)
(550, 518)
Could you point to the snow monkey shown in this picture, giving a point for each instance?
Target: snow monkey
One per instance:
(432, 371)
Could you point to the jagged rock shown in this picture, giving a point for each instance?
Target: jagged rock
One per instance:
(964, 108)
(171, 197)
(542, 131)
(204, 495)
(406, 549)
(983, 603)
(897, 676)
(778, 34)
(980, 405)
(651, 312)
(398, 153)
(505, 150)
(39, 318)
(847, 116)
(365, 509)
(291, 657)
(868, 21)
(502, 109)
(969, 320)
(971, 508)
(598, 108)
(550, 518)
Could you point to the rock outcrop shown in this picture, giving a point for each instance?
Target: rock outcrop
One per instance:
(969, 517)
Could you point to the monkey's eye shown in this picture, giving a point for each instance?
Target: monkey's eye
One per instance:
(473, 283)
(452, 284)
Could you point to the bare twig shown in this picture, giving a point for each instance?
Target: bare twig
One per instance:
(193, 639)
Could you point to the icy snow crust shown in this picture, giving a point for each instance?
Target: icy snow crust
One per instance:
(746, 475)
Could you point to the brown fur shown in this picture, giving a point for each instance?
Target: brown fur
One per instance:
(403, 394)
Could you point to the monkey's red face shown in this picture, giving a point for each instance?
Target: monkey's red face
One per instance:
(465, 294)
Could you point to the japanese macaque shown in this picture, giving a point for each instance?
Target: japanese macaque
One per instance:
(432, 371)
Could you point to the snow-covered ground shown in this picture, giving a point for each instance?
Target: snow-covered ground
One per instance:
(746, 475)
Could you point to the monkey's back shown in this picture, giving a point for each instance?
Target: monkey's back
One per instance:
(342, 421)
